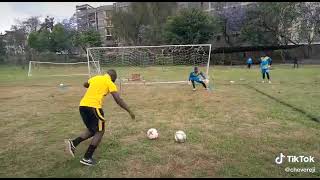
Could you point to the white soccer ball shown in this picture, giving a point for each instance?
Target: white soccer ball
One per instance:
(61, 85)
(152, 133)
(180, 136)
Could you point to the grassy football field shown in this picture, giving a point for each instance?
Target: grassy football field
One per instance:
(236, 130)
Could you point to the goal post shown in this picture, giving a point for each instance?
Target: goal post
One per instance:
(40, 68)
(152, 64)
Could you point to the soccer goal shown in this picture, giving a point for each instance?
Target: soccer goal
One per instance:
(39, 68)
(152, 64)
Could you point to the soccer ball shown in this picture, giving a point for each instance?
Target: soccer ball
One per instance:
(61, 85)
(180, 136)
(152, 133)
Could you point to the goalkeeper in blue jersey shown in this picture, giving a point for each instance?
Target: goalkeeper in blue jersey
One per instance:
(265, 65)
(195, 77)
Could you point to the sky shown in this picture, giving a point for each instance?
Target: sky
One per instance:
(10, 11)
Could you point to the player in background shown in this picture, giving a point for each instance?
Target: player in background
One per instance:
(92, 114)
(195, 77)
(269, 59)
(265, 65)
(295, 62)
(249, 62)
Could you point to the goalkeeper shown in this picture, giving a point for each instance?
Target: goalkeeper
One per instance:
(265, 66)
(194, 77)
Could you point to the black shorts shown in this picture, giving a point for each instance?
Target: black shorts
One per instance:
(93, 118)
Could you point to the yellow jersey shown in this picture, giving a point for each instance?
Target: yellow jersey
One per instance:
(99, 87)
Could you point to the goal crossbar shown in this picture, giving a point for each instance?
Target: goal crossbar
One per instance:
(128, 47)
(55, 63)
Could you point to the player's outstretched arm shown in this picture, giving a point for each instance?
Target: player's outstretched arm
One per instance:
(122, 104)
(204, 77)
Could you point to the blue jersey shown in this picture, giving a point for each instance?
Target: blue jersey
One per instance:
(270, 60)
(265, 62)
(195, 76)
(249, 61)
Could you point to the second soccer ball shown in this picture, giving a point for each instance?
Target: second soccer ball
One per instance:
(152, 133)
(180, 136)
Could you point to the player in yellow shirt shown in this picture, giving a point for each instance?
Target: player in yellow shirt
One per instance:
(92, 114)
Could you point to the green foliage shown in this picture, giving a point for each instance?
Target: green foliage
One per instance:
(2, 49)
(40, 41)
(309, 26)
(142, 23)
(33, 40)
(190, 27)
(270, 23)
(89, 38)
(61, 38)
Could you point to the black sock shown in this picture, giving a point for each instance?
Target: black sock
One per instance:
(77, 141)
(193, 85)
(90, 151)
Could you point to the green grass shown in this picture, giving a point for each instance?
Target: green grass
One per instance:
(236, 130)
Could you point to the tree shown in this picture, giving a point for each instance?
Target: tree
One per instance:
(40, 41)
(70, 24)
(308, 23)
(142, 23)
(270, 23)
(31, 24)
(86, 39)
(2, 48)
(190, 27)
(48, 24)
(61, 38)
(44, 40)
(159, 13)
(33, 40)
(231, 20)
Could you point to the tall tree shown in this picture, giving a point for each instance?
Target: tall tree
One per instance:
(47, 24)
(70, 24)
(32, 24)
(231, 20)
(2, 49)
(61, 38)
(271, 23)
(142, 23)
(86, 39)
(191, 26)
(308, 23)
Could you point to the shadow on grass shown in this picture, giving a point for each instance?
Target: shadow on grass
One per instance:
(311, 117)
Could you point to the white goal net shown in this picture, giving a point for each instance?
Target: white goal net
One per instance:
(152, 64)
(39, 68)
